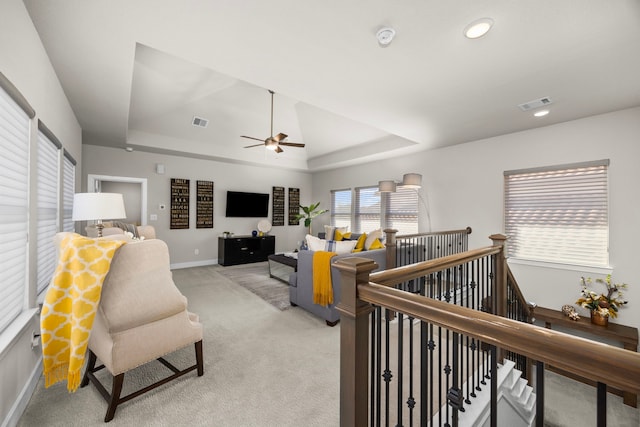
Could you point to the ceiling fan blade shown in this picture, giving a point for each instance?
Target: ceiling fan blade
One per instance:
(279, 150)
(250, 137)
(257, 145)
(279, 137)
(292, 144)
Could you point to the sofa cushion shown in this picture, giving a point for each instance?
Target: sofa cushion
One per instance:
(330, 232)
(315, 243)
(340, 247)
(371, 237)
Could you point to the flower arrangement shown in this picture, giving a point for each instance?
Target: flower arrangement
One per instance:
(605, 304)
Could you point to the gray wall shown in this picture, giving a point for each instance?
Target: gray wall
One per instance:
(463, 186)
(25, 63)
(236, 177)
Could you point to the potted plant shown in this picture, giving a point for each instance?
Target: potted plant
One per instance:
(308, 213)
(603, 305)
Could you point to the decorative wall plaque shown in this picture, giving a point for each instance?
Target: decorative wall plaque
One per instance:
(294, 206)
(204, 204)
(179, 204)
(277, 213)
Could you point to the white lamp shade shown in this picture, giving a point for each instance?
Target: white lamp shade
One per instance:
(412, 180)
(386, 186)
(98, 206)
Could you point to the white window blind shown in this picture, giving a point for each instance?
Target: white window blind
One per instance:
(68, 189)
(47, 191)
(341, 208)
(402, 211)
(559, 214)
(14, 173)
(367, 210)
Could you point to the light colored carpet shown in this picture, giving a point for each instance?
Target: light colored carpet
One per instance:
(255, 277)
(263, 367)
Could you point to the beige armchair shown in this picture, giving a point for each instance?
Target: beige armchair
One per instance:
(141, 317)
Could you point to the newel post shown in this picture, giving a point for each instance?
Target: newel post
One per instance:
(354, 341)
(501, 275)
(391, 245)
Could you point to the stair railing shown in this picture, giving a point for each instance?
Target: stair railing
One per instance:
(367, 298)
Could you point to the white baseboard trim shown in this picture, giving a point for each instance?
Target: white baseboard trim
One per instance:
(193, 264)
(23, 399)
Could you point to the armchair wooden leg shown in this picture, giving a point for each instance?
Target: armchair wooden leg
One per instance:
(199, 358)
(116, 389)
(91, 363)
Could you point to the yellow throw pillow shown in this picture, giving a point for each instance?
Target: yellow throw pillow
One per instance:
(371, 237)
(339, 235)
(361, 240)
(377, 244)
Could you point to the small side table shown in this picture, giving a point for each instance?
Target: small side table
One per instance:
(281, 266)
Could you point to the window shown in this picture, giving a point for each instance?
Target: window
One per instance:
(367, 214)
(372, 210)
(559, 214)
(341, 208)
(15, 124)
(47, 190)
(68, 186)
(402, 211)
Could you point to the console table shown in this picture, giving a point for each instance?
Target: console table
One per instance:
(244, 249)
(626, 335)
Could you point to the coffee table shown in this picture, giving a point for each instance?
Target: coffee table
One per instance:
(281, 266)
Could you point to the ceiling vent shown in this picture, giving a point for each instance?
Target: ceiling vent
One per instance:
(536, 103)
(200, 122)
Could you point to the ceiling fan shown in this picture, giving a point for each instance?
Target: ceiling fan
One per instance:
(273, 142)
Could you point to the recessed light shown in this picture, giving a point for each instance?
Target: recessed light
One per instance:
(385, 35)
(478, 28)
(541, 113)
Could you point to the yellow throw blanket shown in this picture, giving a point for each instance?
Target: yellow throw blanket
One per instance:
(70, 306)
(322, 287)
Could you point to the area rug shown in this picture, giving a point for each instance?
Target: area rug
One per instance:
(255, 278)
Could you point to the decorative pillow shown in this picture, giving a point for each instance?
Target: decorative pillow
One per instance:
(340, 247)
(360, 243)
(330, 232)
(377, 244)
(341, 236)
(371, 237)
(314, 243)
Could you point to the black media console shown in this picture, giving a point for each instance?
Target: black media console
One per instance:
(245, 249)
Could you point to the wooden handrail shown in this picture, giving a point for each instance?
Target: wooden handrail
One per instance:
(412, 271)
(434, 233)
(610, 365)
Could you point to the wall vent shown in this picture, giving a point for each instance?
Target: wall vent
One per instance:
(200, 122)
(536, 103)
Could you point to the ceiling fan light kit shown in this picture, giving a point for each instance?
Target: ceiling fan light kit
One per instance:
(273, 142)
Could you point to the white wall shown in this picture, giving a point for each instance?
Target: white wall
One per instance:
(24, 62)
(464, 187)
(183, 243)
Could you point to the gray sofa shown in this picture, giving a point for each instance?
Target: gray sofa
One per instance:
(301, 283)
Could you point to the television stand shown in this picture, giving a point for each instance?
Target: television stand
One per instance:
(245, 249)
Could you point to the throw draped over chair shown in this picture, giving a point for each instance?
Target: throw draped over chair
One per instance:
(141, 317)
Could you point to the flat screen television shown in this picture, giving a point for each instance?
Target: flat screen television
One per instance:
(247, 205)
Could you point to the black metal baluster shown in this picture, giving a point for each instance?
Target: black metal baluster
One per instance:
(387, 371)
(494, 387)
(379, 369)
(372, 367)
(400, 367)
(411, 402)
(539, 394)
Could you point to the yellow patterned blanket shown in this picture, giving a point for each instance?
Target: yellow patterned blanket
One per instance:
(322, 287)
(70, 306)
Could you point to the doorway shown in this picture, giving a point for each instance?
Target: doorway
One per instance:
(134, 191)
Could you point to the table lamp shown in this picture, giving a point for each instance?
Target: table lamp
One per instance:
(97, 207)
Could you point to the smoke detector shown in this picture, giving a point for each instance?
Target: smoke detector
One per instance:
(199, 122)
(385, 36)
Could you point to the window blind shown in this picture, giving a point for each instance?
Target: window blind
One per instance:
(68, 189)
(341, 208)
(402, 211)
(559, 214)
(14, 173)
(47, 191)
(367, 209)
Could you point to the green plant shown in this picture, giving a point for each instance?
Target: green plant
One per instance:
(308, 213)
(605, 304)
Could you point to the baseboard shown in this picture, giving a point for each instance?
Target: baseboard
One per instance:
(23, 399)
(193, 264)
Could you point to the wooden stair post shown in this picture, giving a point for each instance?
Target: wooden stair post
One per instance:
(354, 341)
